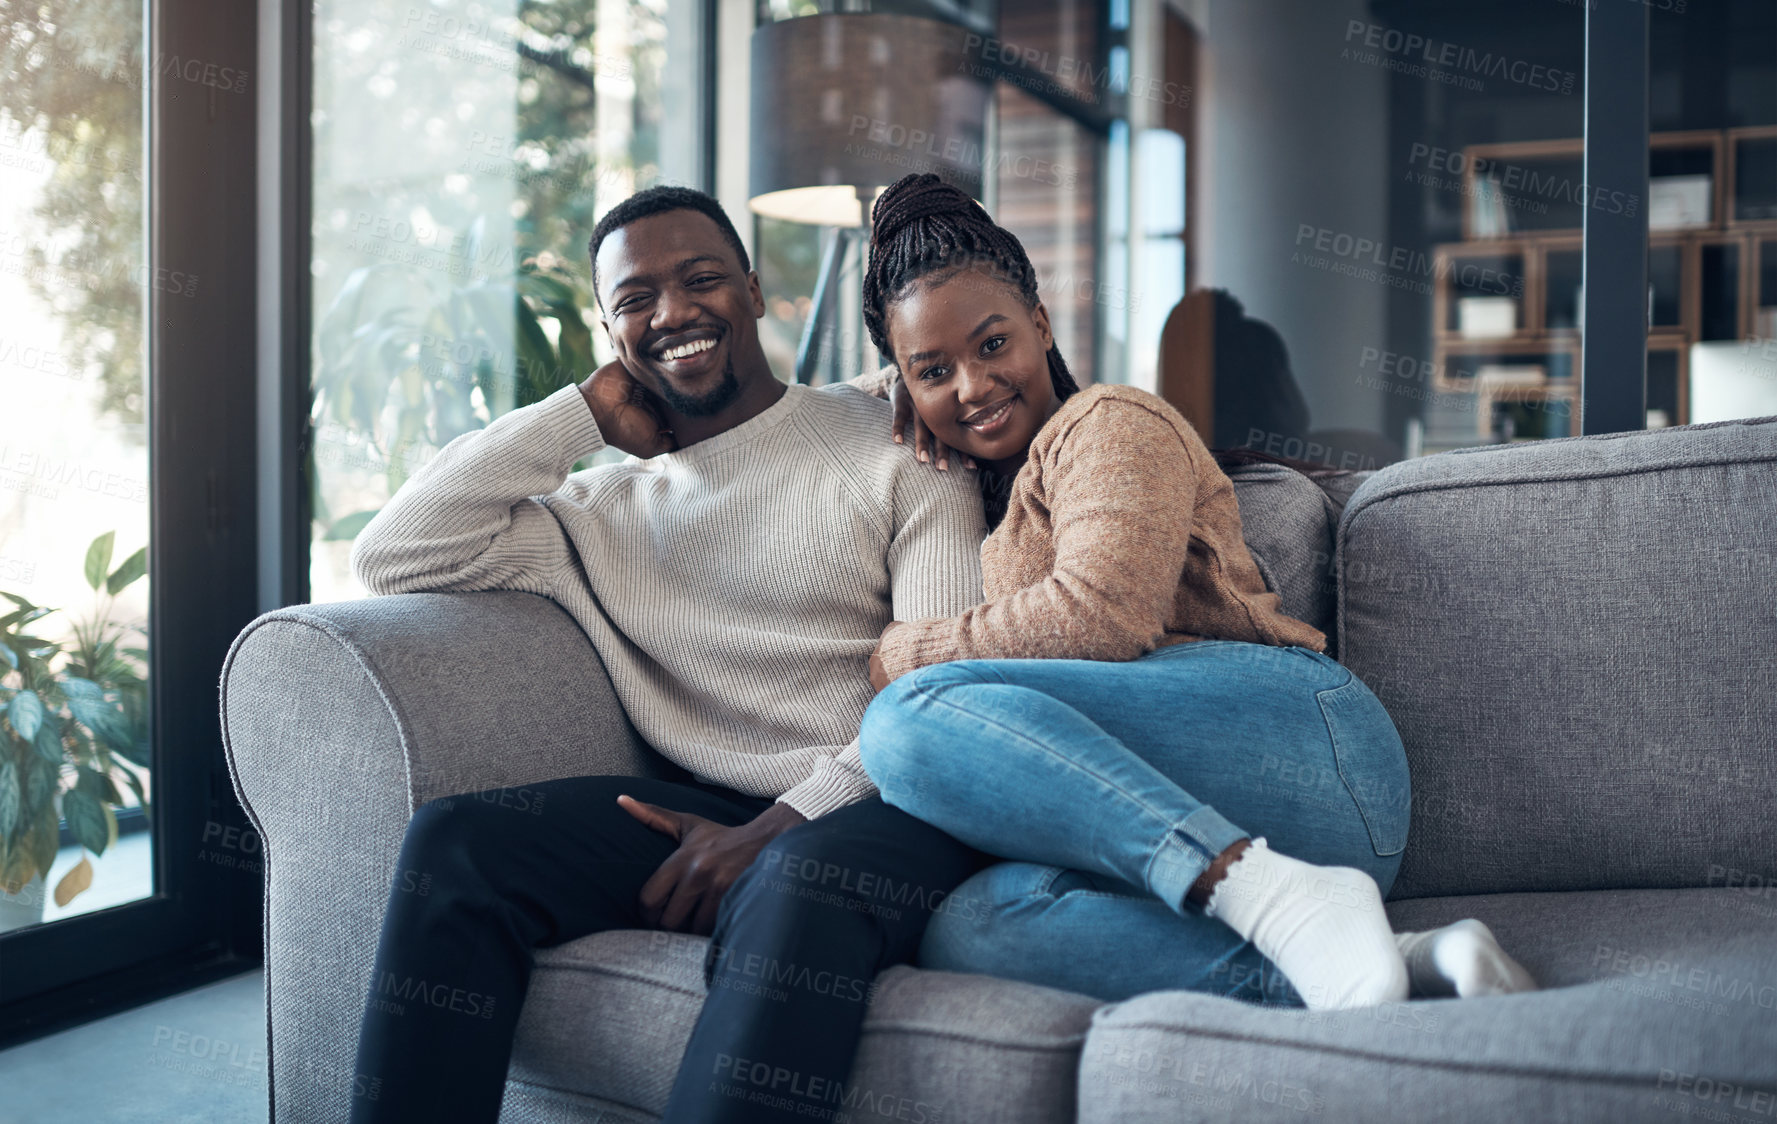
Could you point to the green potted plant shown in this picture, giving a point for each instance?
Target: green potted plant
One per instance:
(73, 712)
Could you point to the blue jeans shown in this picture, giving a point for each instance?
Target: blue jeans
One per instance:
(1112, 785)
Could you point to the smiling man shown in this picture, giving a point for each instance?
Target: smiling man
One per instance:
(734, 575)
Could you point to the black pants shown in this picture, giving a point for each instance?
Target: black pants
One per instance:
(485, 878)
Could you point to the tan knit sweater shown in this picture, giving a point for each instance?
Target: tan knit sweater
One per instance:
(1122, 535)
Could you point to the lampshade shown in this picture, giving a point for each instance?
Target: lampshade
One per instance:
(850, 103)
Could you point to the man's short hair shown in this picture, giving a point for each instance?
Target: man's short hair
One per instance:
(653, 201)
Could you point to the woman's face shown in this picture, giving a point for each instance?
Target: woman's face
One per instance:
(975, 361)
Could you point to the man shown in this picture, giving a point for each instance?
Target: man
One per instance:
(734, 580)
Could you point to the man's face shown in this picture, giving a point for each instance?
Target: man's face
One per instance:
(679, 310)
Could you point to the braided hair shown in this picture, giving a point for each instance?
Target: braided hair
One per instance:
(922, 226)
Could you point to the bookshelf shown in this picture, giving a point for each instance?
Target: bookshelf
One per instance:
(1506, 314)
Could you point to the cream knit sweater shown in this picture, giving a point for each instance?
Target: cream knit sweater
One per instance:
(734, 589)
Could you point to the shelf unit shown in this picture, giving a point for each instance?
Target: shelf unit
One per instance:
(1714, 279)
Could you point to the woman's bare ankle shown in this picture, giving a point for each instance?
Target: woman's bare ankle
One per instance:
(1198, 894)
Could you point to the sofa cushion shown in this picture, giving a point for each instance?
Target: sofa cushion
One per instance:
(1288, 521)
(1574, 638)
(607, 1017)
(1657, 1004)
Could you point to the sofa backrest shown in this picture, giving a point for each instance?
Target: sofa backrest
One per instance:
(1288, 522)
(1576, 640)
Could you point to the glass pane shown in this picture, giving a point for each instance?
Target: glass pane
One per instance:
(1385, 226)
(1044, 193)
(1040, 177)
(463, 152)
(74, 516)
(1712, 109)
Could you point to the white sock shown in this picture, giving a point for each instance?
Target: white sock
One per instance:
(1323, 926)
(1462, 959)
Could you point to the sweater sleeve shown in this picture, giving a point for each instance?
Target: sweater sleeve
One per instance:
(473, 518)
(1121, 486)
(934, 564)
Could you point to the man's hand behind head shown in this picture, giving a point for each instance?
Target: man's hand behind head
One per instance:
(628, 414)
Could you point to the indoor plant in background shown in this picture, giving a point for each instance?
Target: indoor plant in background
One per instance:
(73, 713)
(400, 359)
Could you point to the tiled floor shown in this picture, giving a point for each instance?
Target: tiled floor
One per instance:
(195, 1058)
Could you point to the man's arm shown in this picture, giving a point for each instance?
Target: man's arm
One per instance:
(934, 564)
(469, 519)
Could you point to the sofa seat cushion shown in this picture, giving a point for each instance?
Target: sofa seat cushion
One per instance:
(607, 1017)
(1657, 1004)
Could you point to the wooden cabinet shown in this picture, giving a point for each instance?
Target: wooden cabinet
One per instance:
(1507, 315)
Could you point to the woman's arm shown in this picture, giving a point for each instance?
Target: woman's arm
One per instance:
(1121, 483)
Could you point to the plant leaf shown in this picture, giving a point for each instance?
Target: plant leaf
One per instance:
(10, 799)
(48, 742)
(26, 714)
(40, 789)
(98, 558)
(135, 783)
(133, 567)
(347, 528)
(86, 820)
(44, 840)
(75, 687)
(10, 656)
(75, 882)
(19, 869)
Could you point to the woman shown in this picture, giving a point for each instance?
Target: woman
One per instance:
(1129, 704)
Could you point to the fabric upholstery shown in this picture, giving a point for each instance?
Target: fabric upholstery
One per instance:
(1288, 521)
(1606, 1041)
(338, 720)
(1572, 637)
(607, 1018)
(1574, 640)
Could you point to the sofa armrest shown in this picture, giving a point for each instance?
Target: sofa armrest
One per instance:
(340, 719)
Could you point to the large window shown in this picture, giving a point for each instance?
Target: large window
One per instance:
(75, 777)
(1042, 175)
(126, 499)
(462, 154)
(1381, 209)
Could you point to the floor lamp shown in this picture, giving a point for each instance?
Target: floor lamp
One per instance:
(842, 106)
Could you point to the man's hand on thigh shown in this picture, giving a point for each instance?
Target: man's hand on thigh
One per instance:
(687, 890)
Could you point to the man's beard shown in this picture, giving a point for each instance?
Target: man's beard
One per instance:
(707, 405)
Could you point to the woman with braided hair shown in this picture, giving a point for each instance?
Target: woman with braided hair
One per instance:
(1128, 693)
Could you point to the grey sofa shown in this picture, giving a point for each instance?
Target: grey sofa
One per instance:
(1573, 637)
